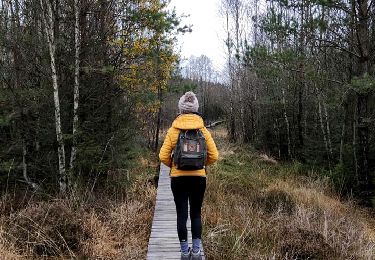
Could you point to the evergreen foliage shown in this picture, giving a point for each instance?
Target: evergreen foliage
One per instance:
(301, 78)
(126, 60)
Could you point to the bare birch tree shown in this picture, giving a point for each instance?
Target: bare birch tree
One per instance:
(48, 19)
(77, 40)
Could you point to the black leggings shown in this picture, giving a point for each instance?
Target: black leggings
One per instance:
(184, 189)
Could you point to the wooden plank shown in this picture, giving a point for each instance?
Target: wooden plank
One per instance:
(163, 243)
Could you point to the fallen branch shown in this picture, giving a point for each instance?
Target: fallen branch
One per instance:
(215, 124)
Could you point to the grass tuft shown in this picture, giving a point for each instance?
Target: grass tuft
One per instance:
(256, 208)
(86, 225)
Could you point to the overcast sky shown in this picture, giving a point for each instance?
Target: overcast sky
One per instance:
(207, 37)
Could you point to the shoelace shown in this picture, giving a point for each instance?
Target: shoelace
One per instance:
(196, 253)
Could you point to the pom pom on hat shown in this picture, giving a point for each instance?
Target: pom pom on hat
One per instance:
(188, 103)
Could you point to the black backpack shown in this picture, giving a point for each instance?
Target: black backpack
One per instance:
(191, 150)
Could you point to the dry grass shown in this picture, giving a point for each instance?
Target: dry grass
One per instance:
(84, 226)
(256, 209)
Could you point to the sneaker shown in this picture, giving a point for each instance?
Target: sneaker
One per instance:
(186, 256)
(196, 256)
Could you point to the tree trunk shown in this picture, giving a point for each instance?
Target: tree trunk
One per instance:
(49, 27)
(363, 135)
(238, 91)
(343, 132)
(232, 124)
(362, 98)
(286, 123)
(24, 168)
(355, 151)
(158, 122)
(300, 114)
(328, 130)
(76, 83)
(323, 129)
(301, 78)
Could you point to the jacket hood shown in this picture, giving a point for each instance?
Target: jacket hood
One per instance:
(188, 121)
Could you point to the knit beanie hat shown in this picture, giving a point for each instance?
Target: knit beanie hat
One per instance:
(188, 103)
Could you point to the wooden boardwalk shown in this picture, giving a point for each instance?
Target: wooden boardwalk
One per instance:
(164, 243)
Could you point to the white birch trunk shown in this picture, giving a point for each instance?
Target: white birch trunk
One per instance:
(328, 130)
(241, 103)
(322, 127)
(286, 122)
(342, 141)
(48, 22)
(76, 83)
(24, 168)
(355, 150)
(277, 130)
(239, 92)
(232, 124)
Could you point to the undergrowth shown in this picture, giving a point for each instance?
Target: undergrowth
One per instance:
(257, 208)
(112, 221)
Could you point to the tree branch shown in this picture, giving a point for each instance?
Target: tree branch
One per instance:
(301, 71)
(369, 6)
(336, 46)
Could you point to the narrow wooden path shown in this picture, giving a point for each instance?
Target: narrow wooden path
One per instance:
(164, 243)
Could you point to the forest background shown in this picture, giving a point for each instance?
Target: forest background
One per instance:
(84, 84)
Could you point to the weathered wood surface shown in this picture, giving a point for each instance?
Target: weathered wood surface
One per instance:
(164, 243)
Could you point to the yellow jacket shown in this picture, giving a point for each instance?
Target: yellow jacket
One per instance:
(187, 122)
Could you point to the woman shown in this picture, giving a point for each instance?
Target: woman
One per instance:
(188, 185)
